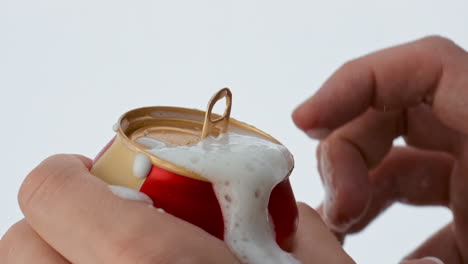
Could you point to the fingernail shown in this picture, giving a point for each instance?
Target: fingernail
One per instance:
(318, 133)
(426, 260)
(434, 260)
(130, 194)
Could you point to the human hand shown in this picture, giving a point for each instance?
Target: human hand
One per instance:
(73, 217)
(419, 91)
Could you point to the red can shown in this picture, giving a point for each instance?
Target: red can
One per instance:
(179, 191)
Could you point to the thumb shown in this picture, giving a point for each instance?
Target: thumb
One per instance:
(314, 243)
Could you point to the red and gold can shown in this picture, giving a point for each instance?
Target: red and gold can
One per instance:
(179, 191)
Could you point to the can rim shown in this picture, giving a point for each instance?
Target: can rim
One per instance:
(165, 164)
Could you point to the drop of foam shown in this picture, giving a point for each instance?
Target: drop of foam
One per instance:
(243, 170)
(130, 194)
(141, 166)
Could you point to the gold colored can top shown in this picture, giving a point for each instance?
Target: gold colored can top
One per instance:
(181, 126)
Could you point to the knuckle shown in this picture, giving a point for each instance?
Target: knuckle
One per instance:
(358, 70)
(45, 179)
(441, 44)
(351, 65)
(438, 40)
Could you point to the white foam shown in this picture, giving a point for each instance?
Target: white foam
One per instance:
(244, 170)
(115, 127)
(141, 166)
(124, 124)
(326, 170)
(130, 194)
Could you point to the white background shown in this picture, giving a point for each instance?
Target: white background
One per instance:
(69, 69)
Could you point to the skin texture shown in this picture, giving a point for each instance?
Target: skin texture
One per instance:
(72, 217)
(417, 90)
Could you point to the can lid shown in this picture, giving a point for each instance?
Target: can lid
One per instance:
(181, 126)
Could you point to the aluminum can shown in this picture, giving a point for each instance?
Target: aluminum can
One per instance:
(178, 191)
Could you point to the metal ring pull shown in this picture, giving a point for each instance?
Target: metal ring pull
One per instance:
(221, 122)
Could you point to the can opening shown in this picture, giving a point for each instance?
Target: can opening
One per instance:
(178, 131)
(174, 126)
(176, 136)
(181, 127)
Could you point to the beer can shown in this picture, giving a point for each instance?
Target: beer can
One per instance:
(179, 191)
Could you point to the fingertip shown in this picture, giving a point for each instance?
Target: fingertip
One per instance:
(309, 117)
(426, 260)
(314, 243)
(345, 180)
(303, 116)
(305, 209)
(301, 204)
(347, 209)
(318, 133)
(316, 215)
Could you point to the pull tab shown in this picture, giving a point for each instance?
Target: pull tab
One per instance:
(221, 122)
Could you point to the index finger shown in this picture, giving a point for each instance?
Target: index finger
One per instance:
(431, 70)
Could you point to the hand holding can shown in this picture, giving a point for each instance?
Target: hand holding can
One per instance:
(71, 216)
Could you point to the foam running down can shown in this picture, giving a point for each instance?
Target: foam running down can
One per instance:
(180, 191)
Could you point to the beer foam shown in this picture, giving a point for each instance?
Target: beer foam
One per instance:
(141, 166)
(243, 170)
(129, 194)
